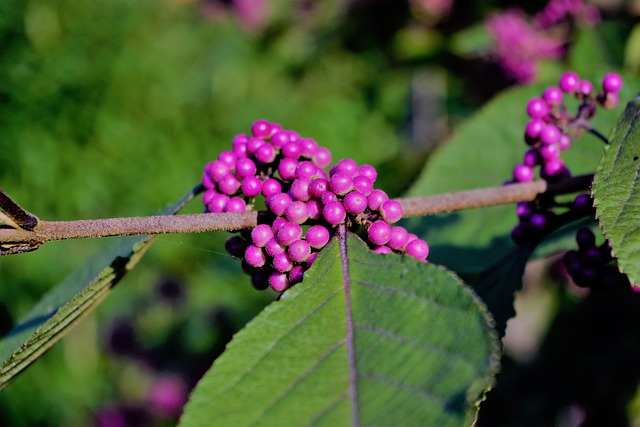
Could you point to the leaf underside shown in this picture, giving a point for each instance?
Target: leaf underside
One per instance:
(366, 339)
(61, 308)
(616, 191)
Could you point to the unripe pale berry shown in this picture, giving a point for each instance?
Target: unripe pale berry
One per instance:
(333, 212)
(379, 233)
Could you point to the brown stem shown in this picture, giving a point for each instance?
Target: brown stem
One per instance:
(15, 240)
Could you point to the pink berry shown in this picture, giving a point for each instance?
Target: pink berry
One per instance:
(229, 184)
(251, 186)
(363, 184)
(340, 183)
(287, 169)
(266, 153)
(228, 157)
(321, 157)
(253, 144)
(532, 130)
(537, 108)
(549, 152)
(278, 203)
(312, 258)
(254, 256)
(379, 233)
(318, 187)
(288, 233)
(217, 169)
(296, 275)
(418, 249)
(382, 250)
(317, 236)
(235, 204)
(552, 95)
(300, 189)
(569, 82)
(278, 282)
(612, 82)
(554, 167)
(278, 223)
(240, 147)
(299, 251)
(208, 183)
(261, 234)
(355, 202)
(369, 172)
(523, 173)
(532, 158)
(261, 129)
(328, 197)
(376, 199)
(282, 262)
(347, 166)
(207, 196)
(334, 213)
(391, 211)
(306, 170)
(270, 187)
(291, 150)
(398, 238)
(564, 142)
(308, 147)
(585, 88)
(297, 212)
(280, 138)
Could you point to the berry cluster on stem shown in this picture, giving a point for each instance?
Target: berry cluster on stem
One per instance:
(304, 205)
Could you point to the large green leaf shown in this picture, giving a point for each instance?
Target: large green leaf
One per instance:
(61, 308)
(617, 192)
(366, 339)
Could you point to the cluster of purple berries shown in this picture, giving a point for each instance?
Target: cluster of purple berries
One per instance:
(591, 265)
(304, 204)
(548, 133)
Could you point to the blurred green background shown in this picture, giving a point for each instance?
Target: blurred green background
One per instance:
(111, 108)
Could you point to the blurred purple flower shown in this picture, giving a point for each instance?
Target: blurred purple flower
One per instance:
(121, 416)
(168, 395)
(520, 44)
(557, 10)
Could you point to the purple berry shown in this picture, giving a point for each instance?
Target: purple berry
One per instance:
(253, 144)
(328, 197)
(523, 173)
(418, 249)
(240, 147)
(278, 282)
(261, 234)
(287, 169)
(318, 187)
(245, 167)
(297, 212)
(391, 211)
(235, 204)
(254, 256)
(554, 167)
(299, 251)
(340, 183)
(376, 199)
(317, 236)
(229, 184)
(523, 210)
(266, 153)
(585, 88)
(312, 258)
(537, 108)
(398, 238)
(282, 262)
(315, 207)
(207, 196)
(532, 130)
(564, 142)
(270, 187)
(569, 82)
(280, 138)
(333, 212)
(582, 203)
(291, 150)
(382, 250)
(217, 169)
(277, 223)
(296, 275)
(218, 203)
(306, 170)
(612, 82)
(347, 166)
(585, 238)
(228, 157)
(532, 158)
(261, 129)
(552, 95)
(355, 202)
(321, 157)
(549, 152)
(273, 248)
(550, 134)
(208, 183)
(235, 246)
(288, 233)
(278, 203)
(539, 221)
(369, 172)
(308, 147)
(251, 186)
(363, 184)
(300, 189)
(379, 233)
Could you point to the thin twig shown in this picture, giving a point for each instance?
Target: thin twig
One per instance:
(15, 240)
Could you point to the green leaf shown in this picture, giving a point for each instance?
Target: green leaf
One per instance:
(366, 339)
(617, 192)
(61, 308)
